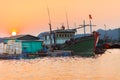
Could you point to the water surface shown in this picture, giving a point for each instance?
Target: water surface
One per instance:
(103, 67)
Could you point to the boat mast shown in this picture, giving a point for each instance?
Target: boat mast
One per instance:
(49, 25)
(67, 19)
(84, 27)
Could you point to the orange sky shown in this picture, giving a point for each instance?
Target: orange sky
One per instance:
(30, 16)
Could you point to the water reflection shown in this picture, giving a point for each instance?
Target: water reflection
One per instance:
(103, 67)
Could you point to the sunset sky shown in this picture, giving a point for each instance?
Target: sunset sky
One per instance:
(30, 16)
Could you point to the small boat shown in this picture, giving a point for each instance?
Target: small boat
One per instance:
(115, 45)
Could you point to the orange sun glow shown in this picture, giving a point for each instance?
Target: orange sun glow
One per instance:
(14, 33)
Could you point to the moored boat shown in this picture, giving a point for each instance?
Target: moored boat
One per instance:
(83, 46)
(63, 39)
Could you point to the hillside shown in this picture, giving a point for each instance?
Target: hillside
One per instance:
(113, 34)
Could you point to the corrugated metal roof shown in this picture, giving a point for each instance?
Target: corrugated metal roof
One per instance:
(1, 40)
(22, 37)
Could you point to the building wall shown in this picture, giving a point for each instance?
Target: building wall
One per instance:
(31, 46)
(13, 47)
(20, 46)
(1, 48)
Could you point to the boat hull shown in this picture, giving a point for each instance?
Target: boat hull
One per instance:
(82, 47)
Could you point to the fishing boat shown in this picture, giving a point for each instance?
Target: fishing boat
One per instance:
(64, 39)
(83, 46)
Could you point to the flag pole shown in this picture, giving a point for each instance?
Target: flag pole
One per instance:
(90, 18)
(90, 26)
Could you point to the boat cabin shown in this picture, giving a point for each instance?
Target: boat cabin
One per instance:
(58, 36)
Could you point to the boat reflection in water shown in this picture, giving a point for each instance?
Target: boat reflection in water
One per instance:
(104, 67)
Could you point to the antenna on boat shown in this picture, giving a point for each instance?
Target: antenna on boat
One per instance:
(67, 19)
(105, 30)
(105, 36)
(49, 24)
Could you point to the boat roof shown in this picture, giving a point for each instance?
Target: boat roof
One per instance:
(59, 31)
(66, 30)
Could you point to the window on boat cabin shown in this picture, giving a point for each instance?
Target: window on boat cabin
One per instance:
(45, 38)
(70, 35)
(62, 35)
(65, 35)
(56, 35)
(48, 37)
(59, 35)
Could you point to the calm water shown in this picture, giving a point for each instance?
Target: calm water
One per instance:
(104, 67)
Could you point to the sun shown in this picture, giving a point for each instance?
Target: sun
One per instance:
(14, 33)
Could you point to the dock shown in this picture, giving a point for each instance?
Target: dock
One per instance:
(56, 53)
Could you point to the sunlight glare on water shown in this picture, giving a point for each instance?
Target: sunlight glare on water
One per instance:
(103, 67)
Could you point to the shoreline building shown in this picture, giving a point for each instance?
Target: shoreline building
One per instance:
(20, 44)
